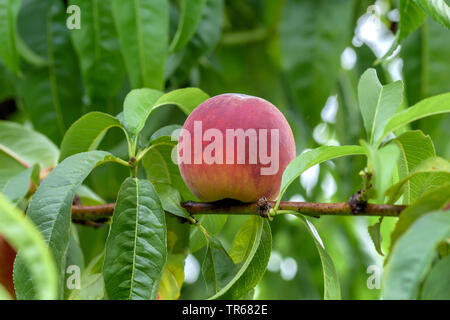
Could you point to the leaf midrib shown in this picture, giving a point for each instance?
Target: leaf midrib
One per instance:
(135, 239)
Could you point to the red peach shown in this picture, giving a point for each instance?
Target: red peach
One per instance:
(235, 146)
(7, 257)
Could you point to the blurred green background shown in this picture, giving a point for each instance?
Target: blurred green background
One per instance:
(303, 56)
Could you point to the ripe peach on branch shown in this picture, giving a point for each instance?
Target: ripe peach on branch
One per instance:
(235, 146)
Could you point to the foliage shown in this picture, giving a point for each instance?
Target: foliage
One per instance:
(77, 102)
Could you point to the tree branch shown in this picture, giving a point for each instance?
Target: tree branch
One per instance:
(104, 211)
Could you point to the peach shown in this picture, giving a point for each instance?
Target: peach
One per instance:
(235, 146)
(7, 257)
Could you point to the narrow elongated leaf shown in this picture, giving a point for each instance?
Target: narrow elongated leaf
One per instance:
(173, 277)
(27, 146)
(243, 240)
(98, 50)
(164, 134)
(171, 199)
(74, 263)
(86, 133)
(332, 289)
(8, 21)
(412, 255)
(217, 268)
(414, 148)
(432, 200)
(161, 169)
(187, 99)
(51, 93)
(375, 235)
(437, 9)
(377, 103)
(17, 187)
(137, 107)
(212, 223)
(191, 14)
(310, 158)
(253, 267)
(202, 42)
(426, 67)
(23, 235)
(136, 249)
(6, 83)
(51, 206)
(411, 17)
(140, 103)
(437, 284)
(431, 173)
(425, 108)
(143, 28)
(320, 30)
(382, 162)
(92, 284)
(28, 54)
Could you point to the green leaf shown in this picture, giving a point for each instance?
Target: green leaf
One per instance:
(98, 50)
(253, 267)
(191, 14)
(187, 99)
(212, 223)
(140, 103)
(310, 158)
(437, 284)
(23, 236)
(172, 278)
(27, 146)
(243, 240)
(88, 197)
(92, 284)
(432, 200)
(73, 258)
(425, 108)
(51, 93)
(414, 148)
(320, 30)
(8, 21)
(17, 187)
(375, 235)
(137, 106)
(86, 133)
(51, 206)
(217, 268)
(202, 42)
(429, 174)
(377, 103)
(382, 162)
(171, 199)
(143, 29)
(437, 9)
(136, 249)
(412, 255)
(331, 286)
(411, 18)
(7, 89)
(29, 55)
(160, 168)
(164, 134)
(425, 54)
(177, 235)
